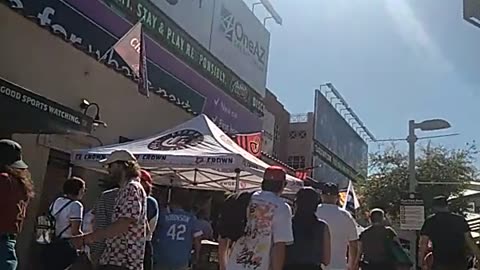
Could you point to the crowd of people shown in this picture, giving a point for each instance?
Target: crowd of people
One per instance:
(127, 230)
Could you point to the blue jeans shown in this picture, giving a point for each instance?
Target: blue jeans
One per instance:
(8, 256)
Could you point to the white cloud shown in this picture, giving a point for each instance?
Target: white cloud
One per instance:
(415, 35)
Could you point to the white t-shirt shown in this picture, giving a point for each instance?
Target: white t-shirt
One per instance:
(269, 221)
(73, 212)
(87, 224)
(343, 229)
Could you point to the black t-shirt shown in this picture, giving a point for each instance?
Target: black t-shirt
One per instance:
(307, 247)
(375, 241)
(447, 233)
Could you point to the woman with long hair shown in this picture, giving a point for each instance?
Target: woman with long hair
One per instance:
(16, 191)
(311, 247)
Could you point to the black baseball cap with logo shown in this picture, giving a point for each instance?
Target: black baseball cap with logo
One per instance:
(330, 189)
(11, 154)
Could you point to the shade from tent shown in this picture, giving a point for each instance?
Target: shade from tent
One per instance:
(195, 154)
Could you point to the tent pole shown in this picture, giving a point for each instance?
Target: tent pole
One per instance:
(195, 176)
(237, 180)
(70, 171)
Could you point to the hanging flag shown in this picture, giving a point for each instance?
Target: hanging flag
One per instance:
(131, 47)
(251, 142)
(349, 200)
(302, 174)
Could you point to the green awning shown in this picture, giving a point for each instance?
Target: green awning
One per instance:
(23, 111)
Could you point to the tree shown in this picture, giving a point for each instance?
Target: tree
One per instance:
(388, 179)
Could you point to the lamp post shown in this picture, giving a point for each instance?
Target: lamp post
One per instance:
(427, 125)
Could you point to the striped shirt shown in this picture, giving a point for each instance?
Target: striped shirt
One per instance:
(103, 212)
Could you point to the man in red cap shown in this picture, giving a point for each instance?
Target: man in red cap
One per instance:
(268, 229)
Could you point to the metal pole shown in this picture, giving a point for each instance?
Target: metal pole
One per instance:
(411, 139)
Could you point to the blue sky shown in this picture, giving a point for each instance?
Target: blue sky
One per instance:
(392, 60)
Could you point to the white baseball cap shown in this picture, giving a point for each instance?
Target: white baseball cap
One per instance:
(119, 156)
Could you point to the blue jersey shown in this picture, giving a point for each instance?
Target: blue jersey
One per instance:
(174, 237)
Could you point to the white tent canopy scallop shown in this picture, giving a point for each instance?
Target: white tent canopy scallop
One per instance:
(195, 154)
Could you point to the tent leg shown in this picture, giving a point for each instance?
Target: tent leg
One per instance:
(237, 180)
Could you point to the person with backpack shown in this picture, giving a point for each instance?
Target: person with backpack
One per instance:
(311, 247)
(67, 213)
(376, 242)
(263, 230)
(16, 191)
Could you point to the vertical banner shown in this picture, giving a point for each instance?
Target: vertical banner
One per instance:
(132, 50)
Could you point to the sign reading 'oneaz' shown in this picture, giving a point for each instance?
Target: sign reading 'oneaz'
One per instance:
(236, 33)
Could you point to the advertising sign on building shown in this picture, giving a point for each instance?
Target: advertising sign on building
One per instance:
(334, 134)
(194, 16)
(241, 42)
(229, 30)
(94, 28)
(268, 130)
(167, 33)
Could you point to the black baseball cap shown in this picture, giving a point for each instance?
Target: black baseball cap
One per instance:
(11, 154)
(330, 189)
(440, 202)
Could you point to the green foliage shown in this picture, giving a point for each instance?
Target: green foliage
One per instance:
(388, 179)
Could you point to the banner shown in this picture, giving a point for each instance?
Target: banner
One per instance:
(303, 174)
(131, 48)
(250, 142)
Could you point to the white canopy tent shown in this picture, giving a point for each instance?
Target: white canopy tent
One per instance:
(195, 154)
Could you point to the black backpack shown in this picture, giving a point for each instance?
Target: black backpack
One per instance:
(233, 216)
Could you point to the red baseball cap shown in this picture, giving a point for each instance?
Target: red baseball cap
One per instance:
(275, 173)
(146, 177)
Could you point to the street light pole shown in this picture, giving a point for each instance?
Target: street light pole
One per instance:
(427, 125)
(411, 139)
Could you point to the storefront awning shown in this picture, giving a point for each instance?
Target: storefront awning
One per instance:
(23, 111)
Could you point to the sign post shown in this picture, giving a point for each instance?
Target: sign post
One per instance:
(412, 216)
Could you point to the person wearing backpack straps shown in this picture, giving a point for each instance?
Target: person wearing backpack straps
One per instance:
(375, 244)
(67, 211)
(16, 191)
(267, 232)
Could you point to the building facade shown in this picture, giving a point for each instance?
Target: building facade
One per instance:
(57, 54)
(281, 126)
(300, 141)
